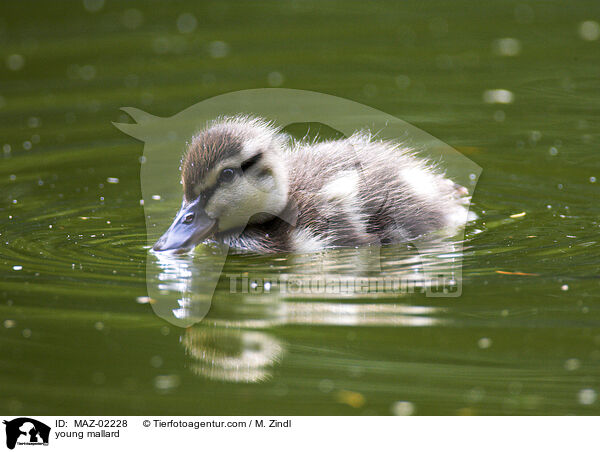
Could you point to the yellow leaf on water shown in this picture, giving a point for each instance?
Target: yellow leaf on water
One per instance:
(354, 399)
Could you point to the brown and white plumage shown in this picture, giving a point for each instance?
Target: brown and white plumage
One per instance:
(288, 195)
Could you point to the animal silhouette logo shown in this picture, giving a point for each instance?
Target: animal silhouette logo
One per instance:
(26, 431)
(181, 288)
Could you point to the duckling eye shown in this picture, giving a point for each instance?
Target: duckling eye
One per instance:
(188, 218)
(226, 175)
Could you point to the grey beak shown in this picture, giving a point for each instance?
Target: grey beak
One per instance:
(191, 226)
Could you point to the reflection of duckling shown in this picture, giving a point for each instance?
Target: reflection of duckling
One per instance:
(248, 185)
(232, 355)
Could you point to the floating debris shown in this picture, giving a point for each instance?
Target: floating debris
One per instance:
(145, 300)
(9, 323)
(156, 197)
(500, 272)
(351, 398)
(518, 215)
(17, 268)
(564, 287)
(112, 180)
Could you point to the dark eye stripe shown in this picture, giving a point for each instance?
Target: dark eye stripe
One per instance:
(246, 165)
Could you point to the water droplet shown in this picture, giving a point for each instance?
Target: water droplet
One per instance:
(186, 23)
(589, 30)
(403, 408)
(524, 14)
(218, 49)
(484, 342)
(587, 396)
(132, 18)
(402, 81)
(275, 78)
(93, 6)
(156, 361)
(498, 96)
(33, 122)
(166, 382)
(326, 386)
(87, 72)
(506, 47)
(572, 364)
(15, 62)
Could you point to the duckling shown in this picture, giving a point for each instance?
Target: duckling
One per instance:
(250, 186)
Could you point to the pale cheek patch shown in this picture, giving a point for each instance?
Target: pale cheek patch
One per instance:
(233, 205)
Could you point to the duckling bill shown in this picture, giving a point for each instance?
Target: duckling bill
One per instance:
(252, 187)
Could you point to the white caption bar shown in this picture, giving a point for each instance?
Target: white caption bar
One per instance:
(69, 433)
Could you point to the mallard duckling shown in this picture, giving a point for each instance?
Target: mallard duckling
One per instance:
(252, 187)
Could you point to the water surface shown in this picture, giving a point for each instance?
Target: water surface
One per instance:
(523, 337)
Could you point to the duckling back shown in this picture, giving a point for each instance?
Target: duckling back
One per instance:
(356, 191)
(360, 191)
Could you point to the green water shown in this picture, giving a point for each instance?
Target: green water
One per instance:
(73, 261)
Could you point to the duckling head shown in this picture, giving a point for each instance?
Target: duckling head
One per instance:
(233, 173)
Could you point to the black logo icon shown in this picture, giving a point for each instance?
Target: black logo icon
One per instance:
(27, 431)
